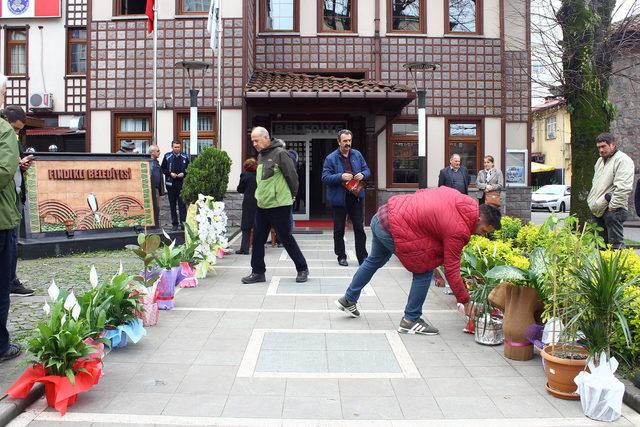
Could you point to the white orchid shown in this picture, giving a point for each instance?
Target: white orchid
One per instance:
(70, 302)
(46, 308)
(93, 277)
(53, 291)
(75, 311)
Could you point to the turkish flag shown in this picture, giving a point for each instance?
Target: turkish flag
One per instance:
(149, 13)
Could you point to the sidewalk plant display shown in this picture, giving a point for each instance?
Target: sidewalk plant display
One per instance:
(60, 355)
(209, 220)
(121, 316)
(146, 250)
(94, 306)
(168, 259)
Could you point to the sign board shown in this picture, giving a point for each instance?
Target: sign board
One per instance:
(307, 128)
(516, 168)
(93, 192)
(21, 9)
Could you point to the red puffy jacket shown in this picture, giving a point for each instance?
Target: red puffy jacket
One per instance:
(430, 228)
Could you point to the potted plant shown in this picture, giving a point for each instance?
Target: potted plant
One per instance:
(168, 259)
(121, 320)
(146, 250)
(60, 356)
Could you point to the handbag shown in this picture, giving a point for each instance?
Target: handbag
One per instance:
(492, 198)
(354, 186)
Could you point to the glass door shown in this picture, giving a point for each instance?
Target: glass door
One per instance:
(301, 204)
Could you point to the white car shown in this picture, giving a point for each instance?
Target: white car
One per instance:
(554, 198)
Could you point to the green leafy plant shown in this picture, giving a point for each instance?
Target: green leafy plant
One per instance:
(94, 306)
(188, 250)
(58, 341)
(208, 175)
(146, 250)
(509, 228)
(124, 300)
(169, 256)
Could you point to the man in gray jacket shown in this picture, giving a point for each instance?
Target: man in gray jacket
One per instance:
(608, 199)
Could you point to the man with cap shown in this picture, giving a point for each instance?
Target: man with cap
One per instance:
(127, 146)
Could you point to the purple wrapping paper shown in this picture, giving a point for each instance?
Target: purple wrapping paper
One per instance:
(167, 288)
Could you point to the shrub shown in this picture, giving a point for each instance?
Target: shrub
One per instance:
(208, 175)
(509, 229)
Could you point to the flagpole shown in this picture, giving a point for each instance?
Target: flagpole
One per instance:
(154, 138)
(219, 75)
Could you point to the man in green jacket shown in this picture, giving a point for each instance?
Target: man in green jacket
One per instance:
(277, 186)
(612, 183)
(9, 219)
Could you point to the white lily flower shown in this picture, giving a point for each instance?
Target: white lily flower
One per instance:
(64, 319)
(53, 291)
(93, 277)
(70, 301)
(121, 269)
(46, 308)
(75, 312)
(173, 243)
(165, 234)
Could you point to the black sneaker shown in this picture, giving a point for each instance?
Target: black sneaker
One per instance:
(343, 262)
(254, 278)
(419, 327)
(174, 227)
(241, 252)
(347, 306)
(302, 276)
(12, 352)
(18, 289)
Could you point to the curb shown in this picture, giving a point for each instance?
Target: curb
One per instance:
(631, 395)
(11, 408)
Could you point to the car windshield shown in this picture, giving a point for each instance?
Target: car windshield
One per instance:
(551, 189)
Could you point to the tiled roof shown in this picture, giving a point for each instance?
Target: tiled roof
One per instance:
(276, 84)
(549, 104)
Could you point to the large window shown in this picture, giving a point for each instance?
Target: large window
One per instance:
(130, 7)
(206, 130)
(279, 15)
(406, 16)
(16, 52)
(464, 16)
(465, 138)
(199, 7)
(76, 51)
(337, 16)
(551, 127)
(133, 127)
(402, 155)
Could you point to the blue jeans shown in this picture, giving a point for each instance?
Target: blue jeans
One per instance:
(8, 253)
(382, 247)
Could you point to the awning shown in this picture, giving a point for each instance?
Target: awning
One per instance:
(52, 131)
(541, 167)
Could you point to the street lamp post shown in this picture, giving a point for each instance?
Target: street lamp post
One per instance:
(191, 67)
(416, 69)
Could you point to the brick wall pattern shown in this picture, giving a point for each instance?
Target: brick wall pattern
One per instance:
(518, 86)
(77, 13)
(17, 91)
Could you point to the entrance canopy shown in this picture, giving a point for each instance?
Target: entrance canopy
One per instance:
(344, 94)
(541, 167)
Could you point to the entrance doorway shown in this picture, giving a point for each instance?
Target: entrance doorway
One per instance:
(318, 203)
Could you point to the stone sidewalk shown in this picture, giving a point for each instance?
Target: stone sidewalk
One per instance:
(281, 354)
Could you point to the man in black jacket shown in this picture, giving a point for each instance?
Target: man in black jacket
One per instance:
(455, 175)
(157, 181)
(174, 166)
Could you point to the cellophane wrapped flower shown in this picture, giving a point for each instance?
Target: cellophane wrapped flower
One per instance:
(211, 219)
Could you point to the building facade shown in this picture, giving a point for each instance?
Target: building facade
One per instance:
(551, 145)
(305, 69)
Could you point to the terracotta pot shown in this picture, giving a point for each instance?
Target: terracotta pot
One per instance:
(520, 305)
(561, 372)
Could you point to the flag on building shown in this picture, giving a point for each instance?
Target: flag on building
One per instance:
(29, 8)
(212, 23)
(149, 12)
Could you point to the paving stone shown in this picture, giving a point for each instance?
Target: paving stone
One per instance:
(410, 387)
(258, 387)
(209, 380)
(371, 408)
(138, 403)
(292, 361)
(312, 407)
(460, 387)
(363, 361)
(525, 407)
(293, 341)
(423, 408)
(317, 387)
(515, 386)
(467, 407)
(195, 405)
(253, 406)
(365, 388)
(346, 341)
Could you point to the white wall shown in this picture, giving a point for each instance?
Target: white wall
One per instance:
(435, 149)
(101, 131)
(308, 17)
(165, 132)
(492, 139)
(231, 141)
(166, 9)
(514, 25)
(491, 24)
(382, 152)
(516, 134)
(230, 8)
(101, 10)
(366, 16)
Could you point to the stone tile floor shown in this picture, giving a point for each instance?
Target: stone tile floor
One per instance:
(239, 355)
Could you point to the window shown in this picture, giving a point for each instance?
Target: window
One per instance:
(199, 7)
(465, 138)
(16, 52)
(337, 16)
(279, 15)
(551, 127)
(406, 16)
(134, 127)
(206, 130)
(130, 7)
(464, 17)
(77, 51)
(402, 155)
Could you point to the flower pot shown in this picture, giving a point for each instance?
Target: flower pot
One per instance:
(520, 305)
(50, 392)
(116, 336)
(187, 276)
(488, 330)
(167, 288)
(562, 371)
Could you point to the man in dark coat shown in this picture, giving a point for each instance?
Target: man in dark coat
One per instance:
(157, 181)
(247, 186)
(343, 165)
(455, 175)
(174, 166)
(636, 198)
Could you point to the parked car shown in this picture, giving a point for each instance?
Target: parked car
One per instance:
(554, 198)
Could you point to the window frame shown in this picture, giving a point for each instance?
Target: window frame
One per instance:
(181, 134)
(354, 20)
(547, 122)
(119, 135)
(116, 10)
(7, 51)
(479, 19)
(478, 140)
(71, 41)
(181, 12)
(423, 19)
(263, 18)
(391, 140)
